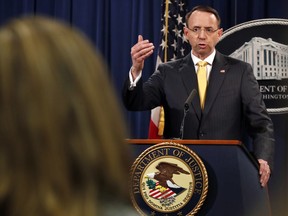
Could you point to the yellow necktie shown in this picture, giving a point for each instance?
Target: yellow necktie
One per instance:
(202, 81)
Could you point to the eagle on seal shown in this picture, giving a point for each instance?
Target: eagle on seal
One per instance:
(166, 172)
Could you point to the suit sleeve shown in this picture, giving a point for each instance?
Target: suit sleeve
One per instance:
(260, 126)
(145, 95)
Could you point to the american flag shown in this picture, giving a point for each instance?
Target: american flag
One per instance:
(173, 45)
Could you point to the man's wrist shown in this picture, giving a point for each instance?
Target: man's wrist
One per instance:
(133, 79)
(134, 72)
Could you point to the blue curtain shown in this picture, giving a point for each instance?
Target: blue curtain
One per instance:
(113, 27)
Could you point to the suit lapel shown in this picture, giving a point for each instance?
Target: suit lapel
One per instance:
(217, 75)
(189, 79)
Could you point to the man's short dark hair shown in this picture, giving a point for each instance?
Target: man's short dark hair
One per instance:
(204, 8)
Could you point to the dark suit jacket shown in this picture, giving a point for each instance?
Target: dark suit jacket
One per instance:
(233, 103)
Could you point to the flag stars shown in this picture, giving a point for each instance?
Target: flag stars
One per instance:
(179, 19)
(163, 44)
(181, 6)
(174, 45)
(166, 15)
(174, 57)
(179, 33)
(182, 51)
(175, 30)
(164, 30)
(184, 39)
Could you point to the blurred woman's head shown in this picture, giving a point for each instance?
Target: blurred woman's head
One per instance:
(61, 131)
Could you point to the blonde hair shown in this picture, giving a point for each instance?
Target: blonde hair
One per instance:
(62, 149)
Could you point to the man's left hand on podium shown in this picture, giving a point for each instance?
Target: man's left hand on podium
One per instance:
(264, 172)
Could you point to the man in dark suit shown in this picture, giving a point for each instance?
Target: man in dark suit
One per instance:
(233, 104)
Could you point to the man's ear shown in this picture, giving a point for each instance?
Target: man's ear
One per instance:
(185, 32)
(220, 32)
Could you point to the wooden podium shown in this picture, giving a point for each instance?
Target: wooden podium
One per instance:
(234, 187)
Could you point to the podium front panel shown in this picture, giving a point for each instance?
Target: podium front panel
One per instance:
(234, 187)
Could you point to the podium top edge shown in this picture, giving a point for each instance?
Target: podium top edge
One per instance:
(184, 142)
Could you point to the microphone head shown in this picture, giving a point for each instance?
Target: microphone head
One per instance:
(186, 106)
(189, 100)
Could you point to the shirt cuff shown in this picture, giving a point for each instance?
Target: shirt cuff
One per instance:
(133, 83)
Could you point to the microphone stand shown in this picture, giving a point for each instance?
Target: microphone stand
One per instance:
(186, 109)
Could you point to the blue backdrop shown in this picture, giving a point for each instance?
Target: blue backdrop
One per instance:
(113, 26)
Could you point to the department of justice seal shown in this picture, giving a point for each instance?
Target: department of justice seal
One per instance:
(168, 179)
(264, 44)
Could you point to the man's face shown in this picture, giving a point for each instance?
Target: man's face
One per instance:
(203, 33)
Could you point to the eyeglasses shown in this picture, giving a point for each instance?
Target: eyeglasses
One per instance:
(207, 30)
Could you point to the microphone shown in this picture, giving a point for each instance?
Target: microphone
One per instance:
(186, 109)
(189, 100)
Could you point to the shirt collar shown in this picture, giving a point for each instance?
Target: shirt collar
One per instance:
(209, 59)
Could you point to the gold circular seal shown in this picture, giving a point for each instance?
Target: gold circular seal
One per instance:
(168, 179)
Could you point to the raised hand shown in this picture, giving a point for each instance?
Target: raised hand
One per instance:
(139, 52)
